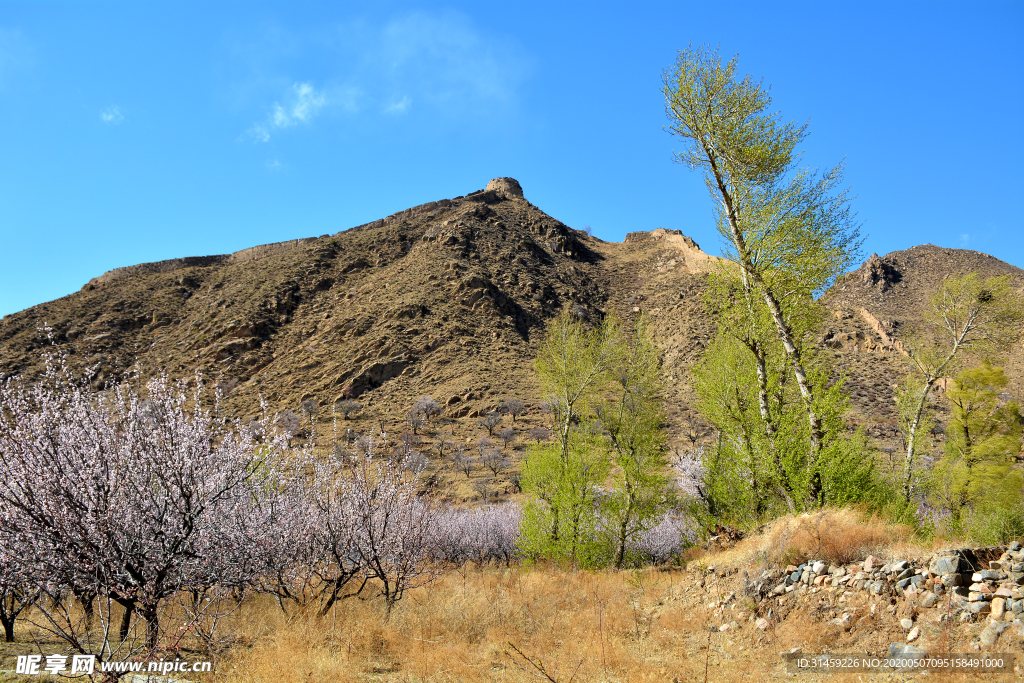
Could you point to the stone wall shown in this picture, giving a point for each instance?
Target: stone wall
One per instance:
(972, 584)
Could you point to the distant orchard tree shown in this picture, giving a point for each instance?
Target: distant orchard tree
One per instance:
(554, 407)
(463, 462)
(443, 444)
(427, 407)
(289, 423)
(513, 407)
(490, 421)
(539, 434)
(507, 435)
(348, 406)
(483, 489)
(494, 460)
(408, 442)
(311, 407)
(415, 462)
(483, 443)
(414, 419)
(482, 534)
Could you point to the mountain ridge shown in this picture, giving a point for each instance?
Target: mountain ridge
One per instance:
(448, 299)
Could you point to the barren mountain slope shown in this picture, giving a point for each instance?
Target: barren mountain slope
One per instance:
(447, 299)
(890, 294)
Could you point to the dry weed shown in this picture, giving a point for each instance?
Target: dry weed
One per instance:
(836, 536)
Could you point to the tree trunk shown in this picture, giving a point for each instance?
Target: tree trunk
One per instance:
(86, 598)
(152, 618)
(8, 623)
(782, 327)
(126, 619)
(769, 425)
(623, 533)
(930, 379)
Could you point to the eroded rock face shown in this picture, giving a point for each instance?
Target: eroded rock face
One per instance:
(877, 272)
(506, 187)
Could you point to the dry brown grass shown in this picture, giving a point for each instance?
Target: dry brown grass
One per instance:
(836, 536)
(505, 624)
(581, 626)
(650, 625)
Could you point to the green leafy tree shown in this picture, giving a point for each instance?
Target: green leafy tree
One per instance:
(561, 479)
(632, 418)
(758, 468)
(789, 231)
(745, 474)
(975, 478)
(968, 315)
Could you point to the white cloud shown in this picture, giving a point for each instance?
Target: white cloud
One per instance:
(275, 165)
(442, 58)
(399, 107)
(965, 239)
(112, 115)
(302, 103)
(450, 68)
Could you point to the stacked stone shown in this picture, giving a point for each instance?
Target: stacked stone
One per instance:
(871, 576)
(997, 591)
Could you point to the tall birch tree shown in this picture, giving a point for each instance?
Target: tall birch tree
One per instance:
(789, 230)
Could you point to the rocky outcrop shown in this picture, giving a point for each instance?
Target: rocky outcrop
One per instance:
(883, 329)
(696, 261)
(374, 375)
(877, 272)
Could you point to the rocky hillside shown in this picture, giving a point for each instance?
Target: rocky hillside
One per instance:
(446, 299)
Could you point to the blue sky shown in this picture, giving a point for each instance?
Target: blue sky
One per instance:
(136, 132)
